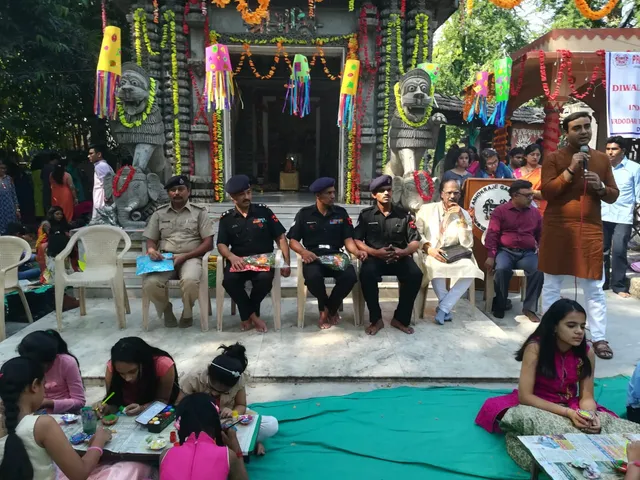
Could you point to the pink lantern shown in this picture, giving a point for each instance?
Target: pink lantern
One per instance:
(219, 91)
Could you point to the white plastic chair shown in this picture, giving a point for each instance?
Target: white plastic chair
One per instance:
(361, 302)
(276, 294)
(204, 300)
(356, 293)
(104, 266)
(14, 252)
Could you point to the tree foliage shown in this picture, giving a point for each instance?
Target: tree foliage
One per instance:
(48, 57)
(471, 44)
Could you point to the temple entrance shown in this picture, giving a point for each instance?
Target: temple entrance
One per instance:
(280, 151)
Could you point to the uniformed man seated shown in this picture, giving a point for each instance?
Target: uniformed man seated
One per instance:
(184, 229)
(324, 228)
(389, 236)
(249, 229)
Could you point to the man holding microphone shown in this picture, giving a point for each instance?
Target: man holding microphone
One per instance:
(575, 179)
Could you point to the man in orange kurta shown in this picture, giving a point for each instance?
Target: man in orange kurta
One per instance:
(572, 239)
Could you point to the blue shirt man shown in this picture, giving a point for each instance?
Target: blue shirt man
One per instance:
(617, 218)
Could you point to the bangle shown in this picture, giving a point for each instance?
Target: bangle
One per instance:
(97, 449)
(239, 454)
(570, 171)
(635, 463)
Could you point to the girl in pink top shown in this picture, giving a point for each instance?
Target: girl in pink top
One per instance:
(138, 375)
(205, 452)
(63, 388)
(557, 372)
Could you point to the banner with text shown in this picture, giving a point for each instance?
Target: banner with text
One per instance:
(623, 94)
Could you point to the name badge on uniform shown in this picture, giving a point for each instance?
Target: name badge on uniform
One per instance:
(259, 222)
(328, 247)
(312, 225)
(373, 223)
(336, 221)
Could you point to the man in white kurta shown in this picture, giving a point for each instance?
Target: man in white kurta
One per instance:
(100, 170)
(445, 224)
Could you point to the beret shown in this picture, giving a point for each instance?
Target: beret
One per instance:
(321, 184)
(237, 184)
(381, 181)
(177, 181)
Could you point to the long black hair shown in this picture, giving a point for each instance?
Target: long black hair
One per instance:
(58, 173)
(229, 367)
(545, 337)
(452, 156)
(137, 351)
(532, 148)
(197, 413)
(15, 376)
(44, 346)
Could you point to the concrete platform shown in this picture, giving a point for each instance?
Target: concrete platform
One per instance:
(472, 349)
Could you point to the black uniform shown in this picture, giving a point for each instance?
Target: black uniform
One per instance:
(377, 231)
(250, 235)
(322, 235)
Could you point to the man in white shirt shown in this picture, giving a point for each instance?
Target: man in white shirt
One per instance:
(617, 218)
(101, 170)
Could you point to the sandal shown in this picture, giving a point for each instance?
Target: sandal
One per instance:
(603, 350)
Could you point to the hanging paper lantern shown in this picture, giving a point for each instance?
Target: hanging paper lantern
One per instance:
(433, 69)
(479, 105)
(348, 91)
(502, 77)
(298, 88)
(108, 74)
(218, 91)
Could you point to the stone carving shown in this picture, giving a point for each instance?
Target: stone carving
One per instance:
(407, 143)
(105, 216)
(143, 134)
(135, 204)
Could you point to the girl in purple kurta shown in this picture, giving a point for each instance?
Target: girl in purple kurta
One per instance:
(557, 371)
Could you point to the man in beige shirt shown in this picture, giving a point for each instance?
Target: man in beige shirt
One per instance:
(184, 229)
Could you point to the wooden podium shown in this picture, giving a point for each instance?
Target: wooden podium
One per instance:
(486, 194)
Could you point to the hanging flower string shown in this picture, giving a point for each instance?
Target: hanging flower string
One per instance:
(394, 20)
(352, 140)
(585, 10)
(103, 11)
(422, 37)
(150, 101)
(170, 18)
(141, 33)
(516, 90)
(396, 24)
(117, 192)
(156, 12)
(369, 67)
(425, 196)
(506, 4)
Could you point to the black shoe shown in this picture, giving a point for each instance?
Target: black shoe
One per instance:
(508, 305)
(498, 313)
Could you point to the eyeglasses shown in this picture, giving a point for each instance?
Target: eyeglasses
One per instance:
(528, 195)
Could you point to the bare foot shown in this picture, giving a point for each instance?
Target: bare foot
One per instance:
(334, 319)
(260, 450)
(624, 294)
(246, 325)
(396, 324)
(323, 321)
(374, 328)
(531, 316)
(260, 325)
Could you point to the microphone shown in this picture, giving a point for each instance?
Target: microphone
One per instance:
(585, 163)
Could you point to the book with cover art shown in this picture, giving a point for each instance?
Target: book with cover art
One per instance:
(145, 265)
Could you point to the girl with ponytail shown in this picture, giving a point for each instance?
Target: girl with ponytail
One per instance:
(224, 380)
(33, 443)
(63, 388)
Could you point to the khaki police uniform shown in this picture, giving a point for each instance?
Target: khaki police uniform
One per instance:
(177, 232)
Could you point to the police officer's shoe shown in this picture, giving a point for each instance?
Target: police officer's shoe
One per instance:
(185, 322)
(170, 320)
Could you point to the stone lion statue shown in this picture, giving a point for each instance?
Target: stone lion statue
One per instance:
(408, 144)
(145, 141)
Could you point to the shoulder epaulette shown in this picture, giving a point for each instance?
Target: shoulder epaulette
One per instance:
(264, 205)
(165, 205)
(226, 213)
(201, 207)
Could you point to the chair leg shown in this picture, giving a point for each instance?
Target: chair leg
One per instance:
(83, 303)
(3, 332)
(117, 289)
(127, 306)
(489, 289)
(419, 303)
(25, 305)
(203, 303)
(523, 288)
(233, 308)
(302, 301)
(472, 293)
(219, 294)
(145, 311)
(276, 297)
(355, 299)
(59, 288)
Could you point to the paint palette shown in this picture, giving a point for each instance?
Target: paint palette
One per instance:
(70, 418)
(160, 421)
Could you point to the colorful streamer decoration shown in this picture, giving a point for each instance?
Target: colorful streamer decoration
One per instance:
(348, 92)
(108, 74)
(219, 90)
(479, 105)
(502, 75)
(298, 88)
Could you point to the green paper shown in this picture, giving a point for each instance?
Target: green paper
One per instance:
(433, 69)
(502, 75)
(300, 68)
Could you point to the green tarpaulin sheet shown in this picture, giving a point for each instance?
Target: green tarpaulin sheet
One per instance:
(402, 433)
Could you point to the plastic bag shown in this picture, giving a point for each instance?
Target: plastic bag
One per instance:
(262, 262)
(335, 261)
(144, 264)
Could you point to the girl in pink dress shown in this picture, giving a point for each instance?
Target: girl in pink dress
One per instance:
(205, 452)
(555, 391)
(63, 388)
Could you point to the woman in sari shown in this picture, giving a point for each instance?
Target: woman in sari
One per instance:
(531, 171)
(555, 393)
(63, 192)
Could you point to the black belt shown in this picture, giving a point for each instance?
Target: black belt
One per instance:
(519, 250)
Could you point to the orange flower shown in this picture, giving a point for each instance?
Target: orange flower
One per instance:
(586, 11)
(508, 4)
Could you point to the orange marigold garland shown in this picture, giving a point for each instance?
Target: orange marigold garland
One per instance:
(255, 17)
(507, 4)
(585, 10)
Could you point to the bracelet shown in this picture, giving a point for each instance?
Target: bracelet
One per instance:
(570, 171)
(97, 449)
(239, 454)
